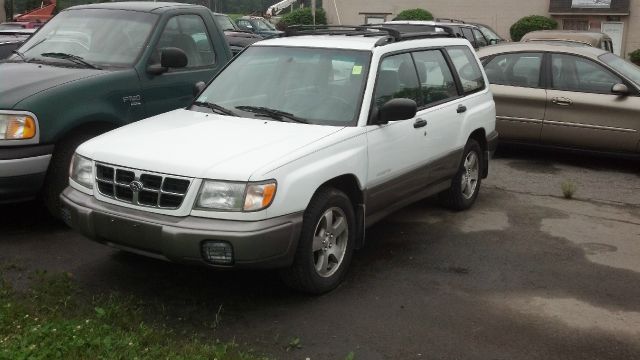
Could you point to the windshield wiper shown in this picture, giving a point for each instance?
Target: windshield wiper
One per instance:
(215, 107)
(19, 54)
(74, 58)
(272, 113)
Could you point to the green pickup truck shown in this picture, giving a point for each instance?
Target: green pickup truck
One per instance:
(91, 69)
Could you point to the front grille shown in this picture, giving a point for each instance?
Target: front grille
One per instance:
(159, 191)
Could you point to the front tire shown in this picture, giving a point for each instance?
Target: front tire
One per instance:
(326, 244)
(465, 185)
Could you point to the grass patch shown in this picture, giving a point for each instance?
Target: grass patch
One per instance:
(568, 189)
(52, 321)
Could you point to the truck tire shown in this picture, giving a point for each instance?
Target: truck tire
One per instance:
(57, 178)
(465, 185)
(326, 244)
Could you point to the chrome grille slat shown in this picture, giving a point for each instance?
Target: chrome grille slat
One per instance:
(122, 191)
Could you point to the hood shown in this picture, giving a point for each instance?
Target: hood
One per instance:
(199, 145)
(241, 39)
(21, 80)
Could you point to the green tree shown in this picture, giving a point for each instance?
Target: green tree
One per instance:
(414, 14)
(303, 17)
(635, 57)
(531, 23)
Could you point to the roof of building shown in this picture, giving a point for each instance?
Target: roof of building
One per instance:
(587, 37)
(541, 46)
(143, 6)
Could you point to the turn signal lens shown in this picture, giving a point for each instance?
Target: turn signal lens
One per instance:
(17, 127)
(259, 196)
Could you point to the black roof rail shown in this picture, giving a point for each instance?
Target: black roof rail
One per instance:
(389, 35)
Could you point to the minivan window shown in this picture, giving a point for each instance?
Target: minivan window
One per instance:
(436, 80)
(519, 69)
(467, 68)
(320, 86)
(629, 70)
(397, 79)
(572, 73)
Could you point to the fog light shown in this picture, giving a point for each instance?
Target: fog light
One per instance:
(217, 252)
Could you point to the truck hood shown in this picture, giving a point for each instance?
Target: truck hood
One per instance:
(20, 80)
(193, 144)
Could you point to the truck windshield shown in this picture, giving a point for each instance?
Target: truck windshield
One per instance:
(629, 70)
(99, 37)
(317, 86)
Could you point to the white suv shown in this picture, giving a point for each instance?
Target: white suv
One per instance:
(296, 147)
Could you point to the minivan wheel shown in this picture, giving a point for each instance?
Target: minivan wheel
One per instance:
(465, 185)
(326, 244)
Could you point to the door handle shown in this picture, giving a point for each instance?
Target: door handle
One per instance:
(419, 123)
(562, 101)
(461, 109)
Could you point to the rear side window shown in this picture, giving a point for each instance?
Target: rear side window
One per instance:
(436, 80)
(397, 79)
(469, 36)
(520, 69)
(467, 68)
(480, 40)
(572, 73)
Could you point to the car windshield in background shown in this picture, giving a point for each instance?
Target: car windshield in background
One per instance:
(97, 36)
(225, 23)
(629, 70)
(264, 25)
(318, 86)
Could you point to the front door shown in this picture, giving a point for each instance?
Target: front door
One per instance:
(174, 89)
(582, 111)
(614, 30)
(519, 93)
(395, 150)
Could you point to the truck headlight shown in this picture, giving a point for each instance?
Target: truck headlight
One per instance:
(81, 171)
(233, 196)
(17, 127)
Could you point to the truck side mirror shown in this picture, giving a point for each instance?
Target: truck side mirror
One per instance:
(395, 110)
(170, 57)
(198, 88)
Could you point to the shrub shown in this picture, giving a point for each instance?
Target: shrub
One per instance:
(302, 17)
(531, 23)
(568, 189)
(635, 57)
(414, 14)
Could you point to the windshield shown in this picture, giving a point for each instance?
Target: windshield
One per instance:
(225, 22)
(629, 70)
(98, 36)
(320, 86)
(488, 33)
(264, 25)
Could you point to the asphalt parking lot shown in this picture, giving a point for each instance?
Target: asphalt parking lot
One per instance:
(525, 274)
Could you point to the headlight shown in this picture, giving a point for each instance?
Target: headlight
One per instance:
(17, 127)
(230, 196)
(81, 171)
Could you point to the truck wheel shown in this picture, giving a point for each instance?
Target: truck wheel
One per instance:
(57, 178)
(326, 244)
(465, 185)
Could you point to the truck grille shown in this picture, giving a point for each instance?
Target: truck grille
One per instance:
(140, 187)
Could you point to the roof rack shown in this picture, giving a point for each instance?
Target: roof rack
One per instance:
(448, 20)
(390, 35)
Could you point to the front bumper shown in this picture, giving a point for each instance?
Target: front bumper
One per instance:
(269, 243)
(22, 171)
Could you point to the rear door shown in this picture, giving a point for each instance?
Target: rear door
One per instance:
(583, 112)
(519, 92)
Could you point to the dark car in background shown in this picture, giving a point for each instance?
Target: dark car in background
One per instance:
(258, 25)
(460, 29)
(237, 38)
(11, 39)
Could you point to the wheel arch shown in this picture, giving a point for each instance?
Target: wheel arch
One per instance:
(480, 135)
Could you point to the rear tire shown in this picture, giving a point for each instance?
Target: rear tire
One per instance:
(57, 178)
(465, 185)
(326, 244)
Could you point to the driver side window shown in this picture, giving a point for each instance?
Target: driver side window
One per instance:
(397, 79)
(189, 34)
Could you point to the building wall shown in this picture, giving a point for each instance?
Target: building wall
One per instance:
(499, 14)
(3, 15)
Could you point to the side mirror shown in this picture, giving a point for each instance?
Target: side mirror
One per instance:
(493, 41)
(620, 89)
(394, 110)
(169, 58)
(198, 88)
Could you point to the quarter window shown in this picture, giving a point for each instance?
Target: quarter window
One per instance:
(467, 68)
(572, 73)
(189, 34)
(397, 79)
(521, 69)
(436, 80)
